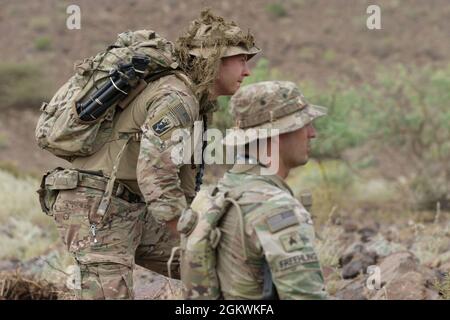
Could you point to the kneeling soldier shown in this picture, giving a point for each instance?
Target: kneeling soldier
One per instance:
(249, 237)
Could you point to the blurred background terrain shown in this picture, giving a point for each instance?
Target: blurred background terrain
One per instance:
(380, 173)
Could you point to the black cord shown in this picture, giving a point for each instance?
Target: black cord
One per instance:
(201, 171)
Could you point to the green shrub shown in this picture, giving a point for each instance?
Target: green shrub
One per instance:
(276, 9)
(346, 124)
(3, 142)
(329, 56)
(43, 43)
(21, 85)
(411, 113)
(39, 24)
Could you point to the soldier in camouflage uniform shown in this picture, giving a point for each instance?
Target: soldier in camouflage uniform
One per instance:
(150, 191)
(278, 231)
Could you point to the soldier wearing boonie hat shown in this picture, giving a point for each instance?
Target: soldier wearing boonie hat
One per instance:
(266, 248)
(269, 105)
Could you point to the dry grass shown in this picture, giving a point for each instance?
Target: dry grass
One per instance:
(25, 231)
(444, 287)
(430, 241)
(328, 245)
(14, 286)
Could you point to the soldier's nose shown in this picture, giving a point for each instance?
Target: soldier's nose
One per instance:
(311, 131)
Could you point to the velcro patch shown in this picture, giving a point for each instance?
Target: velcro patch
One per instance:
(162, 126)
(179, 111)
(281, 221)
(292, 241)
(296, 260)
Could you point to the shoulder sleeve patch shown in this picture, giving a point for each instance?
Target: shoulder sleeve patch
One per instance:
(179, 112)
(293, 241)
(170, 112)
(281, 220)
(162, 125)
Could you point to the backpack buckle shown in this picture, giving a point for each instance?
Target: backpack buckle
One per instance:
(119, 191)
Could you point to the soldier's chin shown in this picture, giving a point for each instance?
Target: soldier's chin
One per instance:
(236, 88)
(303, 161)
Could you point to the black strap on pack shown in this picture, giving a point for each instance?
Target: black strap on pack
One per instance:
(269, 290)
(158, 75)
(201, 171)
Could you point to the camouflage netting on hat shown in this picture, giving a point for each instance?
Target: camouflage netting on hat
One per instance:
(213, 32)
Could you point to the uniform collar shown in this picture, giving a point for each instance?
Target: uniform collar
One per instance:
(252, 166)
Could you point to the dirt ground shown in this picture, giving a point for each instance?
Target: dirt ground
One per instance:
(310, 40)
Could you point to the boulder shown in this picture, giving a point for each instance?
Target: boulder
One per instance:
(408, 286)
(397, 264)
(367, 233)
(403, 278)
(352, 289)
(445, 268)
(382, 246)
(355, 260)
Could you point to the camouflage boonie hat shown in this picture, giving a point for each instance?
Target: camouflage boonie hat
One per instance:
(209, 33)
(269, 105)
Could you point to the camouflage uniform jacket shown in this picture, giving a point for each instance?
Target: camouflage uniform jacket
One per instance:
(146, 165)
(277, 229)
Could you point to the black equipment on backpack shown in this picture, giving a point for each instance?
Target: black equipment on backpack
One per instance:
(121, 81)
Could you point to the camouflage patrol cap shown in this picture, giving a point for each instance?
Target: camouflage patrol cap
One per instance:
(269, 105)
(210, 34)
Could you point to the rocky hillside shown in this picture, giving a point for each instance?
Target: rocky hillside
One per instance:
(304, 39)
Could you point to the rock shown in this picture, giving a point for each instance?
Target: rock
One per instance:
(408, 286)
(445, 268)
(383, 247)
(355, 260)
(350, 227)
(432, 295)
(396, 264)
(403, 278)
(392, 234)
(354, 268)
(9, 265)
(367, 233)
(443, 259)
(352, 289)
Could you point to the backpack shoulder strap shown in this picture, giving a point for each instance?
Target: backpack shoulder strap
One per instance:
(106, 199)
(142, 85)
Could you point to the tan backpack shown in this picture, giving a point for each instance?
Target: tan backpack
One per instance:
(199, 237)
(60, 128)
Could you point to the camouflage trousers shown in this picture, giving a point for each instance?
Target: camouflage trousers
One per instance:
(126, 235)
